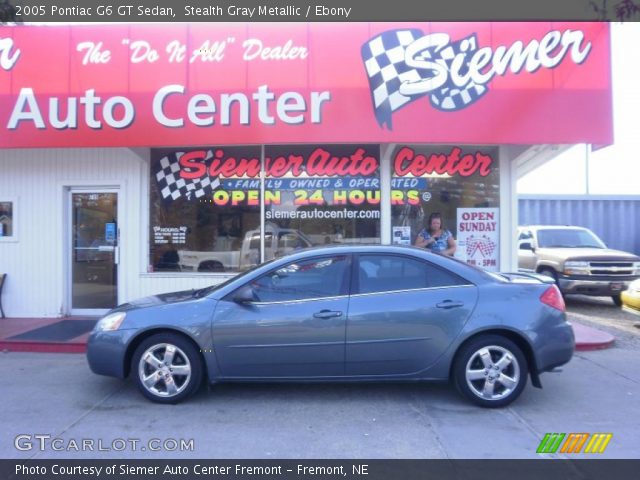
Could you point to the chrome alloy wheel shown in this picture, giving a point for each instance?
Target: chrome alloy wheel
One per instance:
(492, 372)
(164, 370)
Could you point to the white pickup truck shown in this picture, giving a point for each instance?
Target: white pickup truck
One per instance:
(278, 242)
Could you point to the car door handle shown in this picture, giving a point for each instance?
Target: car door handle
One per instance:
(449, 304)
(327, 314)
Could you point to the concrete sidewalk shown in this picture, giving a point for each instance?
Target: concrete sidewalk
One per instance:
(57, 395)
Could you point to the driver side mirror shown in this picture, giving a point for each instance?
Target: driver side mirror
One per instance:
(244, 295)
(526, 246)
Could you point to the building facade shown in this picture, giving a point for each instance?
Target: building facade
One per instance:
(142, 159)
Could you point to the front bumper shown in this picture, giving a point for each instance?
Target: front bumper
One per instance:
(596, 287)
(106, 352)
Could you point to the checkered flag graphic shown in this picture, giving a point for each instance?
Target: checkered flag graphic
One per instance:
(173, 187)
(484, 245)
(384, 60)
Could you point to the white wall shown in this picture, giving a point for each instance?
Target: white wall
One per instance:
(509, 156)
(35, 263)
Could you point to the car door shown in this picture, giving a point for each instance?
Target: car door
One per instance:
(294, 326)
(527, 258)
(403, 314)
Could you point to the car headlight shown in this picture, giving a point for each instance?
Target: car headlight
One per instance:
(110, 322)
(576, 268)
(636, 268)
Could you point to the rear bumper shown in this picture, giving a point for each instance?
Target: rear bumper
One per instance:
(597, 287)
(556, 347)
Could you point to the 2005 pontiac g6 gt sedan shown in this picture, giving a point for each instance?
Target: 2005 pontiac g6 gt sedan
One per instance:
(343, 313)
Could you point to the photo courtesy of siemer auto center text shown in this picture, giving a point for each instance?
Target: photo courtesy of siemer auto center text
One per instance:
(296, 240)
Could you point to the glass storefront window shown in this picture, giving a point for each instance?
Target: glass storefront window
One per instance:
(460, 187)
(320, 194)
(205, 209)
(205, 202)
(7, 229)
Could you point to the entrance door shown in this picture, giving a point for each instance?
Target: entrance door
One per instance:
(94, 251)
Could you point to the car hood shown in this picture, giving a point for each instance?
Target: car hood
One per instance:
(588, 254)
(155, 300)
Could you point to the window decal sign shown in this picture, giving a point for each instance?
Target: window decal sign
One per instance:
(478, 237)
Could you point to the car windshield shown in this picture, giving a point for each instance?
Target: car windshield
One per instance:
(207, 290)
(568, 238)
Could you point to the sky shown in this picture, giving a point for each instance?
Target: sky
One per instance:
(614, 170)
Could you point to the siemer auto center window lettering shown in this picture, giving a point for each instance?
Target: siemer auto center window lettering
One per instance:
(205, 203)
(462, 184)
(321, 194)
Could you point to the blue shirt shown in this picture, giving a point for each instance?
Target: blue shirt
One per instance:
(441, 244)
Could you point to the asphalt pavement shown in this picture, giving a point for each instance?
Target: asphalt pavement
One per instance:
(56, 396)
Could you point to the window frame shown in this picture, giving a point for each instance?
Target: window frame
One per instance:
(354, 287)
(344, 288)
(14, 219)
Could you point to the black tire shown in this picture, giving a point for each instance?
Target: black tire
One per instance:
(550, 272)
(617, 301)
(185, 358)
(468, 358)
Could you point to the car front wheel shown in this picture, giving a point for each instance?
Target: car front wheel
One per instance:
(491, 371)
(617, 301)
(167, 368)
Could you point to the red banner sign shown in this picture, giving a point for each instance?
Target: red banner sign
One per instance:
(233, 84)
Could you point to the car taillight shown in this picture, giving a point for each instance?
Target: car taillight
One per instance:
(553, 298)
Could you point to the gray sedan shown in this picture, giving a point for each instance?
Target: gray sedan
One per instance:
(347, 313)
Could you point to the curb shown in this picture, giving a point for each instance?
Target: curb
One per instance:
(43, 347)
(588, 338)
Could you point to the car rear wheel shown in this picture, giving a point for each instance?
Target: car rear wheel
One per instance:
(167, 368)
(491, 371)
(617, 300)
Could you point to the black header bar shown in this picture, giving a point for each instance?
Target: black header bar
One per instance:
(542, 469)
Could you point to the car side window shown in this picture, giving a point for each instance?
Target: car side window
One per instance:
(316, 278)
(525, 240)
(290, 241)
(525, 235)
(387, 273)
